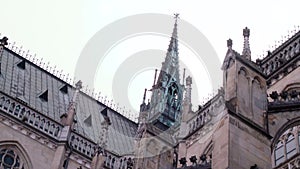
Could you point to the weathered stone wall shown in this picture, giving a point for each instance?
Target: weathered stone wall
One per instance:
(251, 94)
(221, 145)
(39, 149)
(247, 146)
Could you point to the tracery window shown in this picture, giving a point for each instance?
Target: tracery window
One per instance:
(13, 156)
(9, 159)
(287, 146)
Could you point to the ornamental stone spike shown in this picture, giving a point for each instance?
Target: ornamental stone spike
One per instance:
(67, 119)
(246, 50)
(229, 44)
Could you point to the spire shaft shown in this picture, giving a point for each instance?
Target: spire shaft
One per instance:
(154, 78)
(246, 49)
(144, 98)
(71, 110)
(166, 99)
(171, 64)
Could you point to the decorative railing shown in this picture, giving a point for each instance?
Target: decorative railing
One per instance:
(82, 145)
(29, 116)
(10, 106)
(279, 58)
(125, 162)
(88, 148)
(199, 121)
(203, 116)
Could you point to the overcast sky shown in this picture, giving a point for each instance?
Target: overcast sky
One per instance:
(58, 30)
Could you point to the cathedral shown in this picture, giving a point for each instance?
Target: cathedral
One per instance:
(48, 122)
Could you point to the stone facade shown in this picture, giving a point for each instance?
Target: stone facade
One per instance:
(252, 122)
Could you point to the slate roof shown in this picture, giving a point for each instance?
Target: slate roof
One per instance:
(50, 95)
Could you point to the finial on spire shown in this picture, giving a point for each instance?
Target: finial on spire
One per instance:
(188, 94)
(229, 43)
(154, 78)
(246, 32)
(144, 98)
(188, 80)
(3, 41)
(246, 49)
(176, 16)
(143, 106)
(78, 85)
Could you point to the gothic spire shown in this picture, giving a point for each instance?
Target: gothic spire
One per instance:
(174, 43)
(68, 118)
(166, 99)
(143, 106)
(171, 63)
(188, 93)
(246, 49)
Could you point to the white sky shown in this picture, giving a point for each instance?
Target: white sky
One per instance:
(58, 30)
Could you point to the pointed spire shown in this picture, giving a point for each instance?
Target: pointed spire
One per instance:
(229, 44)
(3, 41)
(174, 42)
(246, 49)
(154, 78)
(167, 92)
(171, 64)
(68, 118)
(144, 98)
(183, 76)
(143, 106)
(188, 94)
(104, 126)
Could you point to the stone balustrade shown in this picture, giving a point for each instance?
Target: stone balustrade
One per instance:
(199, 121)
(204, 113)
(88, 148)
(126, 162)
(33, 118)
(82, 145)
(280, 57)
(18, 110)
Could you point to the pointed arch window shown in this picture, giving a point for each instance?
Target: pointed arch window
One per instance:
(290, 146)
(11, 157)
(279, 153)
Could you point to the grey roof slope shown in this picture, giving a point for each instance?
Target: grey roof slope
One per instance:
(47, 94)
